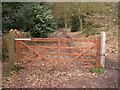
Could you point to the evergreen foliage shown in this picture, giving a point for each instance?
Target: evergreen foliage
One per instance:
(75, 24)
(33, 17)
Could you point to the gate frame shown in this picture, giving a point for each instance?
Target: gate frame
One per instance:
(101, 49)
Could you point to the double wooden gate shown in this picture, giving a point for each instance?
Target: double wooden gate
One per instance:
(63, 52)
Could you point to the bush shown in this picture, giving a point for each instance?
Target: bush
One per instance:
(33, 17)
(75, 24)
(97, 70)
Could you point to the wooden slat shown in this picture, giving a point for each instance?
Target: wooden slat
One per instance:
(43, 47)
(36, 59)
(60, 67)
(88, 60)
(94, 47)
(78, 66)
(57, 53)
(62, 40)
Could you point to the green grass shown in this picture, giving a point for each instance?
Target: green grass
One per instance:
(97, 70)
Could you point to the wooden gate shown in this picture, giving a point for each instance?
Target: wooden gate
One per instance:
(62, 51)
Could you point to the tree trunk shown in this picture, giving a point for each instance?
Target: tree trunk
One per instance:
(65, 23)
(81, 23)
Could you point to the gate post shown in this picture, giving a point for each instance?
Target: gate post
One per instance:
(102, 51)
(11, 49)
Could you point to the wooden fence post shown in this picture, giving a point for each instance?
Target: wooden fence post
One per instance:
(11, 49)
(102, 52)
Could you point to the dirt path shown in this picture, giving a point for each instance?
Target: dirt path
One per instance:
(42, 77)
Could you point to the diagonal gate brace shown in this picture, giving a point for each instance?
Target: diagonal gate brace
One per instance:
(31, 50)
(79, 55)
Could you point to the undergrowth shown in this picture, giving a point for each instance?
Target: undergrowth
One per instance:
(90, 31)
(17, 68)
(97, 70)
(97, 26)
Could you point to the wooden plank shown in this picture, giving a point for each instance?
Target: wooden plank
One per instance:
(78, 66)
(88, 60)
(43, 47)
(23, 39)
(60, 67)
(57, 53)
(62, 40)
(78, 40)
(36, 59)
(94, 47)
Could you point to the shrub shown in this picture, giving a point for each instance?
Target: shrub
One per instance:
(33, 17)
(75, 24)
